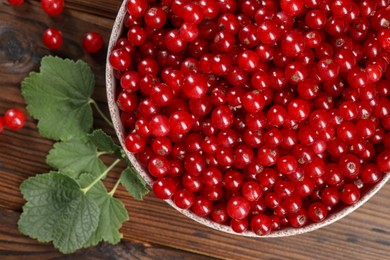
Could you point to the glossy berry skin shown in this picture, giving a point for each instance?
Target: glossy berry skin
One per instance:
(52, 7)
(383, 161)
(202, 206)
(15, 2)
(137, 8)
(251, 191)
(222, 117)
(261, 225)
(52, 38)
(350, 194)
(155, 18)
(159, 125)
(14, 119)
(371, 174)
(287, 164)
(164, 188)
(239, 226)
(135, 143)
(120, 59)
(92, 42)
(291, 7)
(181, 122)
(238, 207)
(317, 212)
(195, 86)
(219, 214)
(298, 219)
(183, 199)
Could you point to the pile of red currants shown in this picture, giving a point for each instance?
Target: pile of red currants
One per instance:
(262, 114)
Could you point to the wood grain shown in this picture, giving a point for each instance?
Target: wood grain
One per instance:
(365, 232)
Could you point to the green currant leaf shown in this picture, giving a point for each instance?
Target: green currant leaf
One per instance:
(112, 213)
(133, 183)
(74, 157)
(104, 143)
(58, 211)
(59, 97)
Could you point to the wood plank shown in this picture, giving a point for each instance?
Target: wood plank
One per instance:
(22, 154)
(13, 245)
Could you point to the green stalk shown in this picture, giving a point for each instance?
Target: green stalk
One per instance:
(93, 102)
(112, 192)
(86, 189)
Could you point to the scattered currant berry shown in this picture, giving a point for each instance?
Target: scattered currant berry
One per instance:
(14, 119)
(52, 7)
(92, 42)
(52, 38)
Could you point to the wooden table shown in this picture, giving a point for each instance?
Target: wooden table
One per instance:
(155, 231)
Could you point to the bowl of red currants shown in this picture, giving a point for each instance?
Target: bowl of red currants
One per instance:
(258, 118)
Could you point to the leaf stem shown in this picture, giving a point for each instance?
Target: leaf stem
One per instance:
(102, 153)
(93, 102)
(112, 192)
(86, 189)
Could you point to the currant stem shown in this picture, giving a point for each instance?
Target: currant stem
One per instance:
(93, 102)
(112, 192)
(86, 189)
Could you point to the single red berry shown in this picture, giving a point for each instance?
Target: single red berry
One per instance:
(52, 7)
(219, 214)
(239, 226)
(52, 38)
(202, 206)
(261, 224)
(317, 211)
(92, 42)
(183, 199)
(135, 143)
(298, 219)
(120, 59)
(383, 161)
(350, 194)
(14, 119)
(238, 207)
(164, 188)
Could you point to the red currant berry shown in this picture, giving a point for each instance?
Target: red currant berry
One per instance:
(92, 42)
(238, 208)
(317, 211)
(52, 7)
(183, 199)
(14, 119)
(202, 206)
(52, 38)
(164, 188)
(383, 161)
(120, 59)
(261, 225)
(350, 194)
(135, 143)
